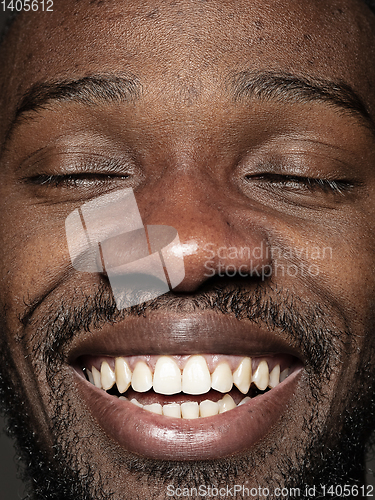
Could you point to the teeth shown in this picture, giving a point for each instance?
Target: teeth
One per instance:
(190, 409)
(242, 376)
(167, 376)
(154, 408)
(284, 375)
(172, 410)
(123, 375)
(208, 408)
(222, 379)
(96, 377)
(261, 376)
(196, 378)
(136, 403)
(91, 378)
(142, 377)
(226, 404)
(274, 377)
(107, 376)
(245, 400)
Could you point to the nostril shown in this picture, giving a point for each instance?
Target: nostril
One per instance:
(229, 282)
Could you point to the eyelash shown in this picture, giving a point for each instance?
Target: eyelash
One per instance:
(310, 183)
(73, 180)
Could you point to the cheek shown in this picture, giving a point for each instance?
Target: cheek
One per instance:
(343, 279)
(334, 258)
(33, 254)
(352, 268)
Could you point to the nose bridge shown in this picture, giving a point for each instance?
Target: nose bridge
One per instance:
(216, 236)
(185, 198)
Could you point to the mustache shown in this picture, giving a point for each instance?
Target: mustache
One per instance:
(309, 326)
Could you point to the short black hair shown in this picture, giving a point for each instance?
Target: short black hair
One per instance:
(13, 15)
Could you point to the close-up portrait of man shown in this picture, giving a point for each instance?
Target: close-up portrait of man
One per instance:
(187, 200)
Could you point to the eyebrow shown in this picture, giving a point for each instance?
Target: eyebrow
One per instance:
(89, 90)
(292, 89)
(264, 85)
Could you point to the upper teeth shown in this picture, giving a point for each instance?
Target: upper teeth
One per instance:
(196, 378)
(166, 378)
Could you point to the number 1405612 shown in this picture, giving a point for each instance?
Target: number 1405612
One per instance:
(27, 5)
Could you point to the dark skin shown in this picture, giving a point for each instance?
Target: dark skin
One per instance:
(221, 171)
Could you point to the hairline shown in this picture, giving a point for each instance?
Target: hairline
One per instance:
(14, 15)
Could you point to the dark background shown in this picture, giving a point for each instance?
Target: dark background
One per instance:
(10, 487)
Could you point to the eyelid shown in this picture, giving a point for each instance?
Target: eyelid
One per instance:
(60, 179)
(76, 162)
(337, 186)
(297, 160)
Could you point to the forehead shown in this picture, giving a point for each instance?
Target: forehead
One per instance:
(176, 47)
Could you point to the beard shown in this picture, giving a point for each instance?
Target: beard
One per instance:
(333, 454)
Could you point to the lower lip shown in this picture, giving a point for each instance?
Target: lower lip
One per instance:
(166, 438)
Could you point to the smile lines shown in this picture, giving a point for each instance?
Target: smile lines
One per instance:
(160, 384)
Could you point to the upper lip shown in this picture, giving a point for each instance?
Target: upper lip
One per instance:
(177, 333)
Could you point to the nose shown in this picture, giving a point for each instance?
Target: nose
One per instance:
(189, 227)
(218, 235)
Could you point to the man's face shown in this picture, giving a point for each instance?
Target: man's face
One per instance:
(233, 123)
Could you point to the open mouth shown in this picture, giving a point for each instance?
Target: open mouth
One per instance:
(230, 385)
(189, 386)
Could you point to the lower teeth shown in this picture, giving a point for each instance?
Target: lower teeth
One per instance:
(191, 409)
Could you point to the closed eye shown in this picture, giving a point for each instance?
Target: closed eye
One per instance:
(82, 180)
(300, 183)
